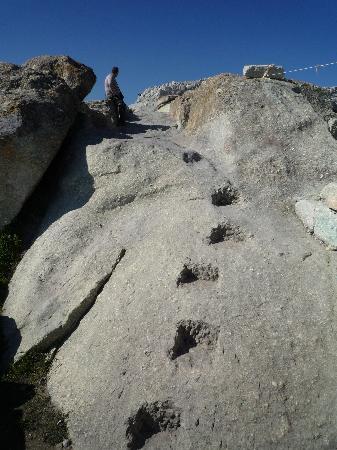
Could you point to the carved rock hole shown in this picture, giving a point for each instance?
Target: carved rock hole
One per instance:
(150, 419)
(195, 272)
(224, 232)
(225, 195)
(296, 89)
(191, 157)
(190, 334)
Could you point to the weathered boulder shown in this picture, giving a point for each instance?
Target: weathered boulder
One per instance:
(78, 77)
(264, 71)
(37, 108)
(173, 276)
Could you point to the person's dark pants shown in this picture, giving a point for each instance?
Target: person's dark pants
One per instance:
(118, 109)
(121, 112)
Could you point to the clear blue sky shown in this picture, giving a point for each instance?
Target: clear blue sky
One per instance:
(158, 41)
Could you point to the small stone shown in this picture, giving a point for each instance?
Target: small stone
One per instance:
(274, 383)
(66, 443)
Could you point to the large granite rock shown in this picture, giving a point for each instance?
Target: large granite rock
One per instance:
(78, 77)
(37, 108)
(264, 71)
(190, 307)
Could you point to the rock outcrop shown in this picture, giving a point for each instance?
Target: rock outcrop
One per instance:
(264, 71)
(77, 76)
(38, 105)
(150, 97)
(189, 306)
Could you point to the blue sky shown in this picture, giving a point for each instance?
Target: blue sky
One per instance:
(158, 41)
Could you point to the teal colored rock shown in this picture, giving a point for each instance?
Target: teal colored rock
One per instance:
(325, 227)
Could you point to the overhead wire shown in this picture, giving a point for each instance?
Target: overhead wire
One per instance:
(316, 67)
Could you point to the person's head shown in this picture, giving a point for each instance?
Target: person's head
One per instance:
(115, 71)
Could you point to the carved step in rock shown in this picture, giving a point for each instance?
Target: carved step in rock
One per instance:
(191, 157)
(195, 272)
(224, 232)
(190, 334)
(225, 195)
(150, 419)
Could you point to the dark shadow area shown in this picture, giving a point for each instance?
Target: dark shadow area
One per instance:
(3, 293)
(10, 339)
(191, 157)
(225, 195)
(187, 276)
(185, 339)
(13, 396)
(130, 128)
(72, 153)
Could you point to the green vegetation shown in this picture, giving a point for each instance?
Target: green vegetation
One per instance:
(10, 249)
(27, 415)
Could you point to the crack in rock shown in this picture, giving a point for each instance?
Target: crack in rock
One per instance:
(150, 419)
(57, 337)
(190, 334)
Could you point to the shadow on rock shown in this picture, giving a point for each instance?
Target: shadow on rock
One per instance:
(138, 128)
(67, 185)
(36, 215)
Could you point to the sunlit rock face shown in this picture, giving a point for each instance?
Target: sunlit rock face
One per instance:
(190, 307)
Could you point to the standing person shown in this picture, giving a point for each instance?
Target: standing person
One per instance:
(115, 97)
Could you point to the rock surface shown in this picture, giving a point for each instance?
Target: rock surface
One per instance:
(319, 217)
(78, 77)
(329, 195)
(190, 307)
(37, 108)
(149, 98)
(333, 126)
(264, 71)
